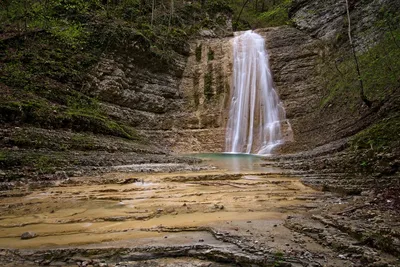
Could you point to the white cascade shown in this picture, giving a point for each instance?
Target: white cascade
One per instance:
(256, 113)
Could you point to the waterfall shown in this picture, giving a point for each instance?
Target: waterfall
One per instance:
(256, 113)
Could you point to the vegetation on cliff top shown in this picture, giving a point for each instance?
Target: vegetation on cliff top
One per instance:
(260, 13)
(378, 144)
(46, 47)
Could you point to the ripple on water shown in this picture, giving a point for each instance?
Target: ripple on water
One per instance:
(236, 162)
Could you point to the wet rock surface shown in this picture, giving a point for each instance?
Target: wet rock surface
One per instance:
(205, 218)
(28, 235)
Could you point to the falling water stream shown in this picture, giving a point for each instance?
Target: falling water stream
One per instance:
(256, 113)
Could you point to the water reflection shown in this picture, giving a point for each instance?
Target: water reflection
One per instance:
(234, 162)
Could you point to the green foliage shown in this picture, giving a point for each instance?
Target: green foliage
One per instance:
(265, 14)
(35, 160)
(276, 16)
(47, 47)
(39, 113)
(218, 6)
(161, 32)
(369, 145)
(379, 71)
(71, 34)
(198, 52)
(380, 136)
(278, 259)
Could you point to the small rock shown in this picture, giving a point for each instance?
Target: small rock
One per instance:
(248, 221)
(201, 240)
(275, 225)
(28, 235)
(343, 257)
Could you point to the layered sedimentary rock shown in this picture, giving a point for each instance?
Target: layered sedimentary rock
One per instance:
(184, 106)
(181, 106)
(326, 20)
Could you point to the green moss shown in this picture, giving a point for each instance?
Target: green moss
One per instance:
(7, 160)
(379, 72)
(80, 120)
(41, 113)
(219, 83)
(380, 136)
(370, 146)
(40, 161)
(208, 91)
(210, 54)
(198, 52)
(196, 96)
(45, 164)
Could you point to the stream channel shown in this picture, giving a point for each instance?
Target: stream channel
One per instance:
(229, 215)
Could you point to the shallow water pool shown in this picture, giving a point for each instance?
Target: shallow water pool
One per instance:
(235, 162)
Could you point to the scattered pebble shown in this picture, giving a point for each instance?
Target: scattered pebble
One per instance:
(28, 235)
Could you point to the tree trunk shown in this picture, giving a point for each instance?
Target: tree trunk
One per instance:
(240, 13)
(362, 93)
(152, 12)
(171, 13)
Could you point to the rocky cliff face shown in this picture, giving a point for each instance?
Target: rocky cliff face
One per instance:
(186, 110)
(325, 20)
(184, 107)
(323, 26)
(294, 61)
(181, 106)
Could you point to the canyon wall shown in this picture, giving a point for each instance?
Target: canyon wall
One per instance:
(181, 108)
(184, 108)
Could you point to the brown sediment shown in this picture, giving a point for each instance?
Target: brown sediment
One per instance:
(84, 214)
